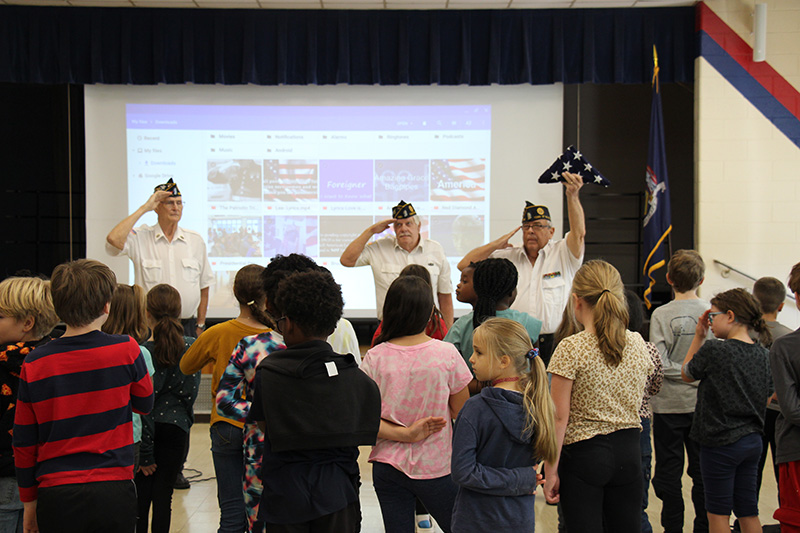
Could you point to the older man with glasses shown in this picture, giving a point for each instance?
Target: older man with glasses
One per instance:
(167, 253)
(546, 266)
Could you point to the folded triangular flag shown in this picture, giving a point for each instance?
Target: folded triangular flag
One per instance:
(573, 161)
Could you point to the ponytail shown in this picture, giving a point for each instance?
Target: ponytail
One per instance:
(248, 289)
(164, 306)
(600, 285)
(502, 336)
(746, 310)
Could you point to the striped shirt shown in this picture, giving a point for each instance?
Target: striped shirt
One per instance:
(73, 420)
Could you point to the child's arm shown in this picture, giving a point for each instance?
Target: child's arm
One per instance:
(142, 386)
(561, 392)
(467, 472)
(787, 382)
(230, 401)
(700, 333)
(25, 441)
(457, 401)
(419, 430)
(198, 355)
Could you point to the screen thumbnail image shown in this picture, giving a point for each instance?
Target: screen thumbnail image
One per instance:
(458, 234)
(234, 236)
(221, 294)
(290, 180)
(231, 180)
(405, 179)
(285, 235)
(458, 180)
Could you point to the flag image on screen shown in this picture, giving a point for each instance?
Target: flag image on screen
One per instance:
(290, 180)
(286, 235)
(458, 180)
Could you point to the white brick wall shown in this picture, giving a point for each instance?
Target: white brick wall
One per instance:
(747, 187)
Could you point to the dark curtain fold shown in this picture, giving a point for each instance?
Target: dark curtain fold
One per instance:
(307, 47)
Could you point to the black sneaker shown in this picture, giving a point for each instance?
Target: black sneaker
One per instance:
(181, 482)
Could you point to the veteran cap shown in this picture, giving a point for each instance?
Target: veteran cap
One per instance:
(535, 212)
(170, 186)
(403, 210)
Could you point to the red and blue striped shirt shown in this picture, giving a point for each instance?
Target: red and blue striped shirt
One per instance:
(73, 414)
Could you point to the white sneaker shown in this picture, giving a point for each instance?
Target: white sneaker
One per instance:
(424, 523)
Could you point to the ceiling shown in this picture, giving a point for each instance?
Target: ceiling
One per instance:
(360, 4)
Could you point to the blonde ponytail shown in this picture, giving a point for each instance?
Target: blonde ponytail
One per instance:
(600, 285)
(502, 336)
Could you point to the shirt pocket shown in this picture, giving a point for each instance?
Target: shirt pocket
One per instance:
(151, 271)
(553, 292)
(191, 269)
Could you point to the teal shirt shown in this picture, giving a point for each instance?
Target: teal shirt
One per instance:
(460, 335)
(137, 418)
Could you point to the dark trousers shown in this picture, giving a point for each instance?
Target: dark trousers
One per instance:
(87, 507)
(156, 489)
(670, 439)
(546, 347)
(348, 520)
(397, 494)
(767, 441)
(601, 483)
(647, 461)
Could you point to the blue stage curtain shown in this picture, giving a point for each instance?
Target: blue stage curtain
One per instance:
(322, 47)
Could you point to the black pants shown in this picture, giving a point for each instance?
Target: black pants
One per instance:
(766, 441)
(670, 438)
(546, 347)
(348, 520)
(601, 482)
(156, 489)
(87, 507)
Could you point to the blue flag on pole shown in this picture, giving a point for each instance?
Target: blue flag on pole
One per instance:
(657, 217)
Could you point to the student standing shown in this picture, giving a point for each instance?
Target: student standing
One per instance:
(502, 434)
(598, 382)
(73, 437)
(731, 403)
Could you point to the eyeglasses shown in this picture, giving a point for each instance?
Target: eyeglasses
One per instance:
(173, 203)
(715, 313)
(278, 324)
(535, 227)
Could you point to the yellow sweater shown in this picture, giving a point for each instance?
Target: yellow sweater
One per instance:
(216, 345)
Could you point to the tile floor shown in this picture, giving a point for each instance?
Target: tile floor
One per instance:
(196, 511)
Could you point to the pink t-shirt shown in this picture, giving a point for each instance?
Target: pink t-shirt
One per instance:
(415, 382)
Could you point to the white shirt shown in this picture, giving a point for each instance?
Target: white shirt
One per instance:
(182, 263)
(544, 288)
(344, 340)
(387, 259)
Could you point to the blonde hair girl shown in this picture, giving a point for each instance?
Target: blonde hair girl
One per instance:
(598, 381)
(502, 433)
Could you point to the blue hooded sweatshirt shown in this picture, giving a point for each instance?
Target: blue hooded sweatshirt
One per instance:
(493, 465)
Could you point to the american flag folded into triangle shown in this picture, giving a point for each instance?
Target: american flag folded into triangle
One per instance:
(572, 160)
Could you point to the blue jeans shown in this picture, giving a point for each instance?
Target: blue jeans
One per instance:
(10, 506)
(647, 459)
(227, 451)
(398, 493)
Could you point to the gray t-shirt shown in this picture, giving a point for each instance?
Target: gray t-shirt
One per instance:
(672, 329)
(784, 360)
(777, 330)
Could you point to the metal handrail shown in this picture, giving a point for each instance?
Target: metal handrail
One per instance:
(727, 269)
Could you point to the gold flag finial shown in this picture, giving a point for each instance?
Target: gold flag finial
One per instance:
(655, 68)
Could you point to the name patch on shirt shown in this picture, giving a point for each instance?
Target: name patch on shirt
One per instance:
(552, 275)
